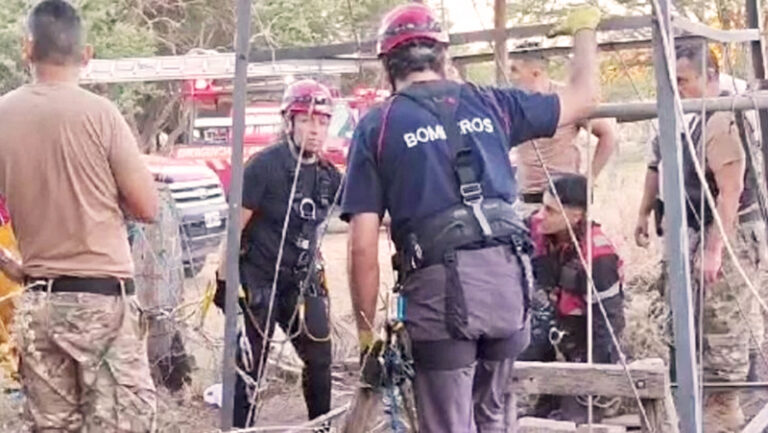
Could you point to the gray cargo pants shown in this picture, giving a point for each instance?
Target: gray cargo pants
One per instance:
(467, 322)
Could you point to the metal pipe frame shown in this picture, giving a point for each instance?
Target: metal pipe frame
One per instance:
(646, 110)
(228, 372)
(688, 398)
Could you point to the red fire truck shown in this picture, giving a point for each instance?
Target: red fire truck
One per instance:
(197, 172)
(210, 143)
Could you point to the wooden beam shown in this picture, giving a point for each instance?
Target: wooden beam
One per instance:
(465, 59)
(529, 31)
(348, 48)
(538, 425)
(725, 36)
(562, 378)
(362, 410)
(500, 41)
(759, 423)
(600, 428)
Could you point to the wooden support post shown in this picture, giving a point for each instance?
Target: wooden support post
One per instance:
(759, 423)
(362, 412)
(500, 41)
(661, 413)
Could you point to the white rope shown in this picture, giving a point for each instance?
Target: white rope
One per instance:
(590, 311)
(263, 366)
(574, 240)
(665, 39)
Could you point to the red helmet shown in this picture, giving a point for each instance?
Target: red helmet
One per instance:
(304, 96)
(406, 23)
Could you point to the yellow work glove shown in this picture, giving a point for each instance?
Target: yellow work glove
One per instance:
(365, 340)
(372, 369)
(582, 18)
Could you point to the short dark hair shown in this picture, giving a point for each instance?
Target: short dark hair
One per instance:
(530, 51)
(57, 32)
(695, 53)
(572, 190)
(415, 56)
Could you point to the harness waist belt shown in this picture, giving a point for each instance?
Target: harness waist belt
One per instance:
(532, 197)
(99, 286)
(457, 228)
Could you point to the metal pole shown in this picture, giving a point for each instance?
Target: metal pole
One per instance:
(644, 110)
(588, 253)
(676, 232)
(500, 40)
(754, 18)
(242, 48)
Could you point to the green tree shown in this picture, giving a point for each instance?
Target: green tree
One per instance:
(133, 28)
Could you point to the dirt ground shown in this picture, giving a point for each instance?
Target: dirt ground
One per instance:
(617, 195)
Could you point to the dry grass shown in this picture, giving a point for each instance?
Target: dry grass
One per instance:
(617, 196)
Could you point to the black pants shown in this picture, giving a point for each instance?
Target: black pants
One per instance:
(316, 355)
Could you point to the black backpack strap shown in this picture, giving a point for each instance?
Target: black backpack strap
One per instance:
(465, 163)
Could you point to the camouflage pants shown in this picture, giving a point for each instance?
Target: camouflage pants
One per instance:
(730, 318)
(84, 363)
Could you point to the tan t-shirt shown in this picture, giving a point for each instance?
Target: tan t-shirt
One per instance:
(723, 142)
(560, 153)
(59, 145)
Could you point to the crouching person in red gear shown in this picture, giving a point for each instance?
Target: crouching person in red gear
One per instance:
(561, 279)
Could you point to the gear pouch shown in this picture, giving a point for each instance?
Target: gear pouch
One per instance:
(316, 317)
(486, 293)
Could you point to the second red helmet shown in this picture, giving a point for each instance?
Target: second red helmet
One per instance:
(306, 96)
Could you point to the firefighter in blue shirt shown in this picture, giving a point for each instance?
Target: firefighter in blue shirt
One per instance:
(435, 157)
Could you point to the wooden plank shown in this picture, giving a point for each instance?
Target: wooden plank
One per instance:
(601, 428)
(638, 44)
(317, 422)
(363, 411)
(346, 48)
(501, 59)
(465, 59)
(670, 411)
(655, 411)
(759, 423)
(529, 31)
(560, 378)
(538, 425)
(626, 421)
(726, 36)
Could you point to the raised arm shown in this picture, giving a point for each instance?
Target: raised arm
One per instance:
(580, 96)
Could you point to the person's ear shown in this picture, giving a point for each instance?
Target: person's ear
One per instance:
(87, 55)
(27, 50)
